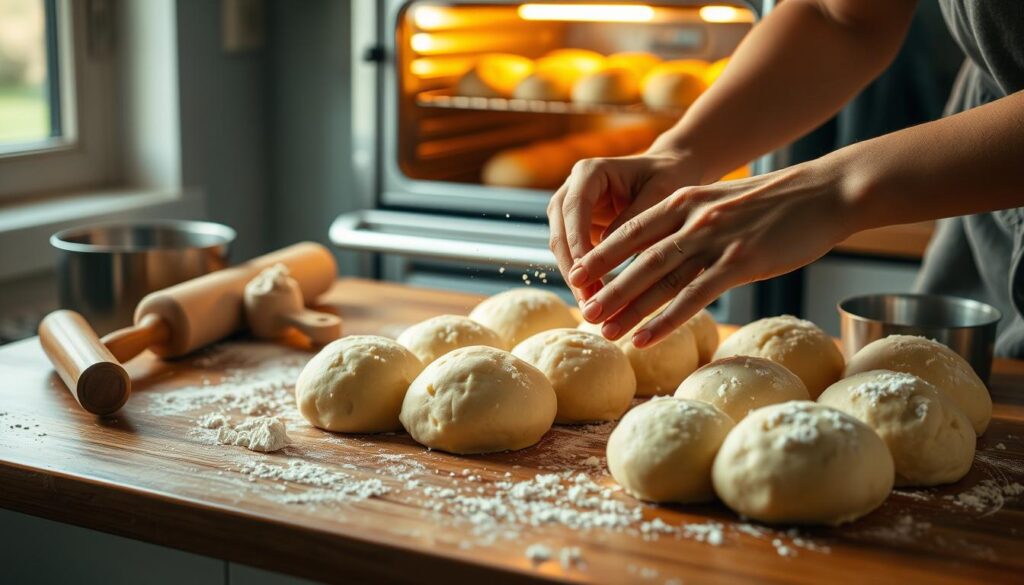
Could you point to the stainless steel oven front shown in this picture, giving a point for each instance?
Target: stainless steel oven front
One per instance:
(454, 176)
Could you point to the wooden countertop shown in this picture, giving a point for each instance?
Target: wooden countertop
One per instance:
(151, 473)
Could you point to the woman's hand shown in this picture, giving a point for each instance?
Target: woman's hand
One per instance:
(603, 193)
(701, 241)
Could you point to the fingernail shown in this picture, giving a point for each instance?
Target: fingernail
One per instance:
(592, 310)
(611, 329)
(578, 276)
(640, 338)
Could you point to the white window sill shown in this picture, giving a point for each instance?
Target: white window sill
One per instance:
(26, 227)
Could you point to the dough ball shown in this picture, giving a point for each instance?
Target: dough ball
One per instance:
(795, 343)
(714, 71)
(537, 166)
(614, 85)
(930, 439)
(356, 384)
(479, 400)
(805, 463)
(933, 362)
(675, 84)
(573, 63)
(521, 312)
(436, 336)
(740, 384)
(591, 376)
(705, 332)
(662, 450)
(659, 368)
(640, 62)
(494, 75)
(545, 85)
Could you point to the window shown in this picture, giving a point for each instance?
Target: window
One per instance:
(57, 129)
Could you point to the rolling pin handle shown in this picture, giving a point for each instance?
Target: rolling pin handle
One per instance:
(321, 328)
(131, 341)
(92, 374)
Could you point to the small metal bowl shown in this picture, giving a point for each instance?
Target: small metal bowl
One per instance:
(104, 270)
(966, 326)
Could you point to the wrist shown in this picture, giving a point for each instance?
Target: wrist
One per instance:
(684, 153)
(854, 190)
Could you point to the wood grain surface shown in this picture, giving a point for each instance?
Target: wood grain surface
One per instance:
(151, 473)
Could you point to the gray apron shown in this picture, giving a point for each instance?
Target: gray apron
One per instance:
(980, 256)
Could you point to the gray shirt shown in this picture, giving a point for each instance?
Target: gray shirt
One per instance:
(980, 256)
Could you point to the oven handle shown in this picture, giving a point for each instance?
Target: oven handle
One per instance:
(479, 241)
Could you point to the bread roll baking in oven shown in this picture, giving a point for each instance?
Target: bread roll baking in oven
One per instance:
(613, 85)
(494, 75)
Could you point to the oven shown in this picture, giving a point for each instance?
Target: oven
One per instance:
(467, 115)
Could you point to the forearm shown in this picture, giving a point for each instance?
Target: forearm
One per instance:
(972, 162)
(793, 71)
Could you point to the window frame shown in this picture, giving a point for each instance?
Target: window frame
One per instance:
(83, 156)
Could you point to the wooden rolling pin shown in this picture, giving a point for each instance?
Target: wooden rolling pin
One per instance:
(170, 322)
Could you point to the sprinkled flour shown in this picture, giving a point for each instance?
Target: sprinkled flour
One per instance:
(987, 497)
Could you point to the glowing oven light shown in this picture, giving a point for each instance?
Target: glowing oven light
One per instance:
(587, 12)
(713, 13)
(430, 17)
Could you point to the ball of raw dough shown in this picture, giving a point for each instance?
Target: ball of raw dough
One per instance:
(436, 336)
(591, 376)
(614, 85)
(802, 462)
(640, 62)
(740, 384)
(662, 450)
(659, 368)
(356, 384)
(705, 332)
(545, 85)
(521, 312)
(934, 363)
(494, 75)
(795, 343)
(479, 400)
(930, 439)
(672, 89)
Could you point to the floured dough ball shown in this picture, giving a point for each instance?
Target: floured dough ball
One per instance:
(705, 332)
(930, 439)
(799, 345)
(436, 336)
(675, 84)
(934, 363)
(479, 400)
(614, 85)
(494, 75)
(805, 463)
(356, 385)
(591, 376)
(740, 384)
(659, 368)
(521, 312)
(662, 451)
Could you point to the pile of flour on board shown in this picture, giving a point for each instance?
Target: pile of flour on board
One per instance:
(262, 433)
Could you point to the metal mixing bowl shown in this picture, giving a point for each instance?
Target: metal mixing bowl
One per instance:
(966, 326)
(104, 270)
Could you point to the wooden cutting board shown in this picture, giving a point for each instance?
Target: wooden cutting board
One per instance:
(152, 473)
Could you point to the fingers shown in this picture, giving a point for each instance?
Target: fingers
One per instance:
(653, 297)
(645, 271)
(695, 296)
(557, 238)
(637, 234)
(587, 183)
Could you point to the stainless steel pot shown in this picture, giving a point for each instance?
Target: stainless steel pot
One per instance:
(104, 270)
(966, 326)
